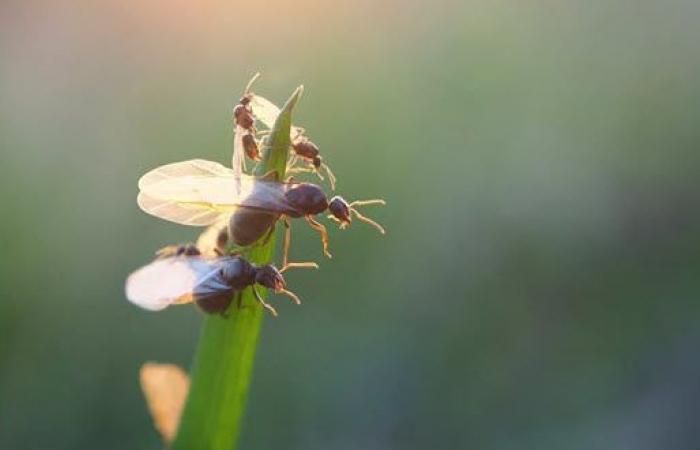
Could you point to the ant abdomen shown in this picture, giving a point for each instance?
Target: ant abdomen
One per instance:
(246, 226)
(216, 304)
(307, 198)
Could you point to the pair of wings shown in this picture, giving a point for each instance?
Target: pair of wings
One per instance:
(177, 280)
(200, 193)
(203, 193)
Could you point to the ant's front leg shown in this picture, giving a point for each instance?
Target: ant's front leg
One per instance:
(265, 305)
(322, 231)
(268, 236)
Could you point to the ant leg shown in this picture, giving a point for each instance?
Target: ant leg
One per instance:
(271, 175)
(285, 252)
(269, 234)
(167, 251)
(377, 201)
(178, 250)
(265, 305)
(317, 172)
(331, 176)
(300, 170)
(322, 231)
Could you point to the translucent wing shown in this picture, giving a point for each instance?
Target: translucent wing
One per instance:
(201, 198)
(238, 157)
(192, 167)
(174, 280)
(165, 387)
(180, 212)
(195, 192)
(266, 112)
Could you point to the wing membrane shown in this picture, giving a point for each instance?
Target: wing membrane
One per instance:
(238, 157)
(191, 167)
(266, 112)
(184, 213)
(188, 195)
(175, 280)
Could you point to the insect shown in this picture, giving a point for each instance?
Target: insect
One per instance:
(203, 193)
(302, 147)
(181, 275)
(244, 124)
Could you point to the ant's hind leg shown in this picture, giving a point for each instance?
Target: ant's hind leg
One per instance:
(322, 231)
(285, 252)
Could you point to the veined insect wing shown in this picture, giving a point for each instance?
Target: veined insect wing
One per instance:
(175, 280)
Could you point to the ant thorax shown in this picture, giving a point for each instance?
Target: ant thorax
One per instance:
(238, 273)
(308, 198)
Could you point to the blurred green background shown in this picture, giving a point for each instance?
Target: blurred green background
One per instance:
(538, 286)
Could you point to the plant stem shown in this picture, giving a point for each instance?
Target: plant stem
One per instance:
(223, 363)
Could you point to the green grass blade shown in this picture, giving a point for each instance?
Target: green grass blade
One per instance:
(223, 363)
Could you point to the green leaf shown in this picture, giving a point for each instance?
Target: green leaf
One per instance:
(223, 363)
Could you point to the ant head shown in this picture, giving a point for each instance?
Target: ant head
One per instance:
(270, 277)
(340, 209)
(308, 198)
(316, 162)
(343, 211)
(245, 100)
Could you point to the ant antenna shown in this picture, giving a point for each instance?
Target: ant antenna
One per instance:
(365, 219)
(250, 83)
(266, 305)
(291, 295)
(299, 265)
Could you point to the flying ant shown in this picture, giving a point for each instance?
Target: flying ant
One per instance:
(202, 193)
(181, 275)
